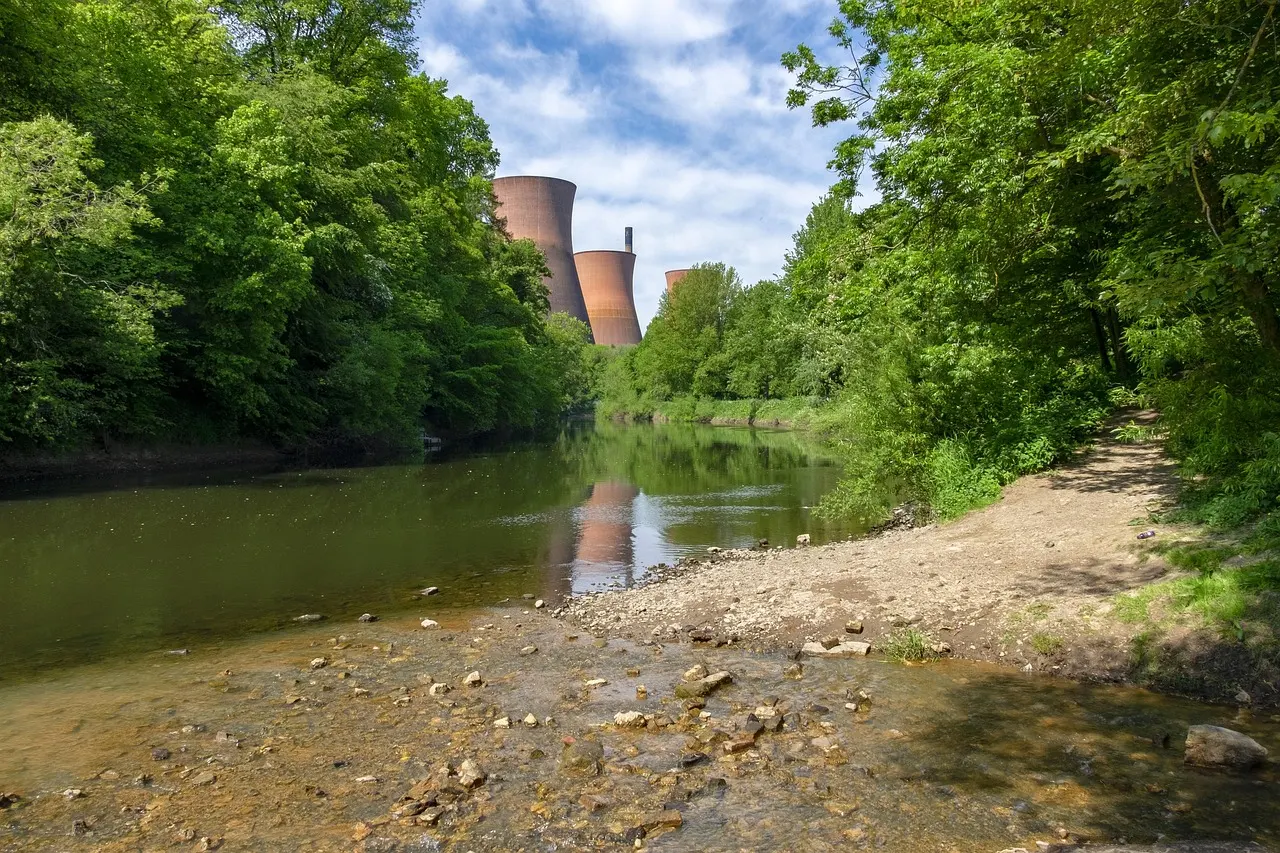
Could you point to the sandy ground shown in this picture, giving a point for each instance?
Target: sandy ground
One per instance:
(1044, 564)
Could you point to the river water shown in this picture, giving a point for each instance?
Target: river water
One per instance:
(96, 569)
(269, 735)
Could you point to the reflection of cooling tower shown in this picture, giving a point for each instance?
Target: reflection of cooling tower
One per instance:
(674, 277)
(606, 285)
(606, 524)
(541, 210)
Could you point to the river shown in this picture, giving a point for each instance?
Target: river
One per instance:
(271, 735)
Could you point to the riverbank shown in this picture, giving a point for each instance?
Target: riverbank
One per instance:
(501, 730)
(791, 413)
(1043, 580)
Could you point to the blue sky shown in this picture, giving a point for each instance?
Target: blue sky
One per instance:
(669, 115)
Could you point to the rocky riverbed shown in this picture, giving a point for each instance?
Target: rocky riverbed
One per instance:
(508, 730)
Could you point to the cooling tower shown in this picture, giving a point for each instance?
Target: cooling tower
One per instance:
(674, 277)
(541, 210)
(607, 279)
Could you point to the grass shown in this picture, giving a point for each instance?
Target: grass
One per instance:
(1047, 644)
(908, 645)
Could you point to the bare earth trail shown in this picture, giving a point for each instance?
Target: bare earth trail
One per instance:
(1046, 562)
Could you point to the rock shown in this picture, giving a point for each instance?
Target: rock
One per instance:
(853, 627)
(502, 723)
(361, 831)
(531, 721)
(73, 793)
(1214, 746)
(309, 617)
(829, 642)
(431, 590)
(713, 550)
(594, 802)
(438, 689)
(208, 843)
(693, 759)
(528, 596)
(842, 650)
(367, 780)
(81, 827)
(205, 778)
(1244, 698)
(703, 686)
(803, 539)
(179, 652)
(185, 835)
(160, 754)
(763, 543)
(529, 650)
(368, 617)
(8, 798)
(319, 663)
(642, 692)
(430, 623)
(473, 679)
(594, 682)
(739, 743)
(539, 604)
(941, 648)
(360, 692)
(795, 670)
(629, 720)
(702, 635)
(666, 819)
(470, 775)
(581, 757)
(696, 673)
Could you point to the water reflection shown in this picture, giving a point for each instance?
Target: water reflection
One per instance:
(90, 570)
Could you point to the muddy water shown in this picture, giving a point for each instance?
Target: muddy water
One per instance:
(91, 570)
(265, 753)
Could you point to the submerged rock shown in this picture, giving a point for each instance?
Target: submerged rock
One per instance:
(1214, 746)
(844, 649)
(703, 686)
(368, 617)
(309, 617)
(581, 757)
(629, 719)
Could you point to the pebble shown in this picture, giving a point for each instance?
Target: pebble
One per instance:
(438, 689)
(629, 719)
(205, 778)
(431, 590)
(160, 754)
(502, 723)
(319, 663)
(470, 775)
(595, 682)
(73, 793)
(853, 627)
(309, 617)
(529, 650)
(531, 721)
(539, 604)
(696, 673)
(368, 617)
(430, 623)
(803, 539)
(473, 679)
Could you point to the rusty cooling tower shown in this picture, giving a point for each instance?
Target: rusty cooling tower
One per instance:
(674, 277)
(607, 279)
(541, 210)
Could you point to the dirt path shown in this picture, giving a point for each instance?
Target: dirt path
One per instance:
(1028, 581)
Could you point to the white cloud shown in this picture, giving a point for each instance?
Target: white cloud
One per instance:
(669, 116)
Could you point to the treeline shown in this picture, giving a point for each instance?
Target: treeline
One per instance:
(1077, 208)
(255, 219)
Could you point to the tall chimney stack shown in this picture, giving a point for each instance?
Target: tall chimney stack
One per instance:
(629, 244)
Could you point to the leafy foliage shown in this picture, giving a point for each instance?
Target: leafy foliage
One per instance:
(296, 241)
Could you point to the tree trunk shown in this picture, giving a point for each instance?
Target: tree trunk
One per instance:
(1262, 308)
(1100, 334)
(1123, 366)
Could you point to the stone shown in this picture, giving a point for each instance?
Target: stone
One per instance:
(642, 692)
(473, 679)
(185, 835)
(361, 831)
(739, 743)
(160, 754)
(795, 670)
(438, 689)
(695, 673)
(359, 692)
(594, 682)
(803, 539)
(319, 663)
(368, 617)
(470, 775)
(367, 780)
(205, 778)
(8, 798)
(702, 635)
(581, 757)
(629, 720)
(941, 648)
(693, 759)
(666, 819)
(431, 590)
(309, 617)
(73, 793)
(594, 802)
(1214, 746)
(842, 650)
(539, 604)
(531, 721)
(853, 627)
(829, 642)
(502, 723)
(208, 843)
(430, 623)
(703, 686)
(529, 650)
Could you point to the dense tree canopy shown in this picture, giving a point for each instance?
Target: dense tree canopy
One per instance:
(1076, 202)
(254, 219)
